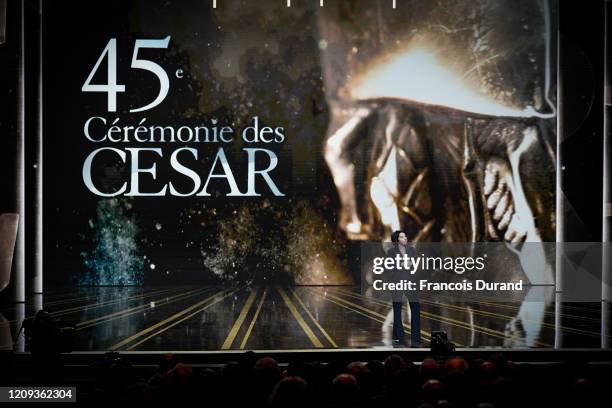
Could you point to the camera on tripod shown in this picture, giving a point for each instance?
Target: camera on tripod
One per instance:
(48, 335)
(440, 345)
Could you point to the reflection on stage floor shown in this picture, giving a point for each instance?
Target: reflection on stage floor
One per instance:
(286, 318)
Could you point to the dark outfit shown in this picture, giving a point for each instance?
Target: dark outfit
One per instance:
(413, 300)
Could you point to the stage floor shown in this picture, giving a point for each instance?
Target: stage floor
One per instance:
(208, 318)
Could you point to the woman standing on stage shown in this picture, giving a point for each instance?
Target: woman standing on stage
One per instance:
(401, 247)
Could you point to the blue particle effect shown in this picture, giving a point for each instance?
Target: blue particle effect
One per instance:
(115, 258)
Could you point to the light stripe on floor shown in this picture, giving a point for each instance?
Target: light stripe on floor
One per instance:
(444, 319)
(227, 344)
(163, 322)
(347, 304)
(252, 324)
(200, 310)
(136, 309)
(315, 341)
(91, 306)
(327, 336)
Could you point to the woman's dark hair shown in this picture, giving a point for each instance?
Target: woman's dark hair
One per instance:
(395, 236)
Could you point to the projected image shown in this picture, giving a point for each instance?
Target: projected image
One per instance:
(456, 114)
(437, 118)
(221, 168)
(443, 125)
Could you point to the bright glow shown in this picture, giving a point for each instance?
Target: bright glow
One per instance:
(416, 75)
(384, 192)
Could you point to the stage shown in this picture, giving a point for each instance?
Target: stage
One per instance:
(276, 319)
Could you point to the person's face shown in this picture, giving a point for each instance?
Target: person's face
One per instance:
(402, 239)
